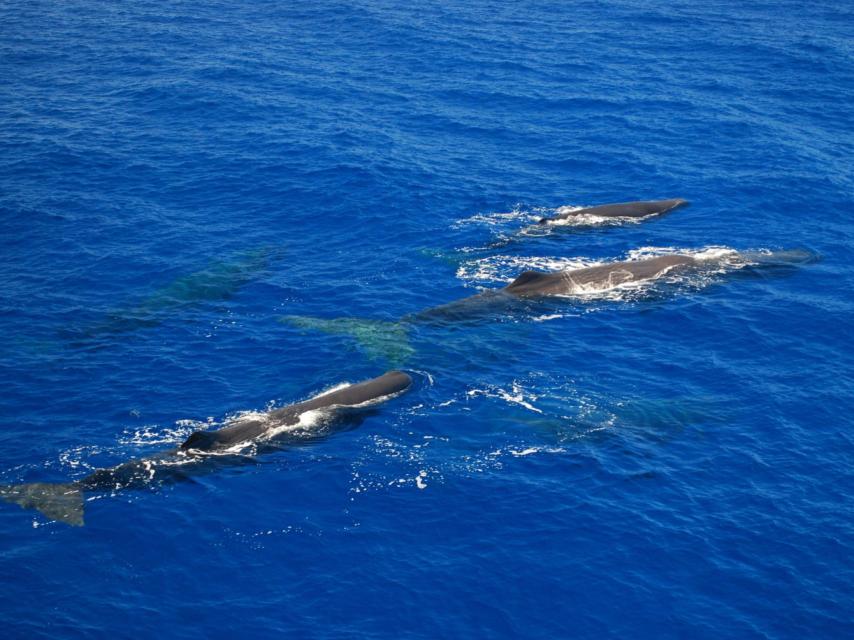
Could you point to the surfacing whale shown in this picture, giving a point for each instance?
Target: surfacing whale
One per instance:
(640, 209)
(389, 340)
(205, 451)
(569, 218)
(532, 285)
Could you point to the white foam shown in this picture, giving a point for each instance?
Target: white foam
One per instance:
(308, 421)
(592, 220)
(524, 452)
(567, 208)
(548, 316)
(504, 269)
(151, 434)
(711, 253)
(74, 458)
(502, 218)
(516, 395)
(426, 374)
(247, 416)
(181, 458)
(532, 450)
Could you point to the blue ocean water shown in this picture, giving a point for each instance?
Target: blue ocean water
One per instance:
(673, 462)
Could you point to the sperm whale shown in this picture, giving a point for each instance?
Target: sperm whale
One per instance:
(567, 217)
(531, 285)
(640, 209)
(206, 451)
(389, 340)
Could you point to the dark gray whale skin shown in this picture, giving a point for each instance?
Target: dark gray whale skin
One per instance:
(64, 501)
(244, 431)
(640, 209)
(536, 284)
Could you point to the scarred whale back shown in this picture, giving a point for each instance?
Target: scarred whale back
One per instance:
(532, 284)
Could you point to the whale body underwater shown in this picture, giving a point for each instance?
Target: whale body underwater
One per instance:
(206, 451)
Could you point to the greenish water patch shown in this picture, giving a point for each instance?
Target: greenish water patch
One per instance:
(378, 339)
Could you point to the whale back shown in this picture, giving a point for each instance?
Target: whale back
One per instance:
(633, 209)
(353, 395)
(639, 209)
(535, 283)
(629, 271)
(356, 394)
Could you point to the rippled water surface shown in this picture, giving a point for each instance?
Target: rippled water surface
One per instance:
(190, 192)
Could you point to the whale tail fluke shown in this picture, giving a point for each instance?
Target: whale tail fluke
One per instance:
(379, 339)
(62, 502)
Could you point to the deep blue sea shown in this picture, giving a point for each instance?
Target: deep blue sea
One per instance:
(669, 461)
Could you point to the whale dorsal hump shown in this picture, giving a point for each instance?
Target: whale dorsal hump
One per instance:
(200, 440)
(527, 278)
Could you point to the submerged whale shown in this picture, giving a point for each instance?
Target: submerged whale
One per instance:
(218, 281)
(640, 209)
(205, 451)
